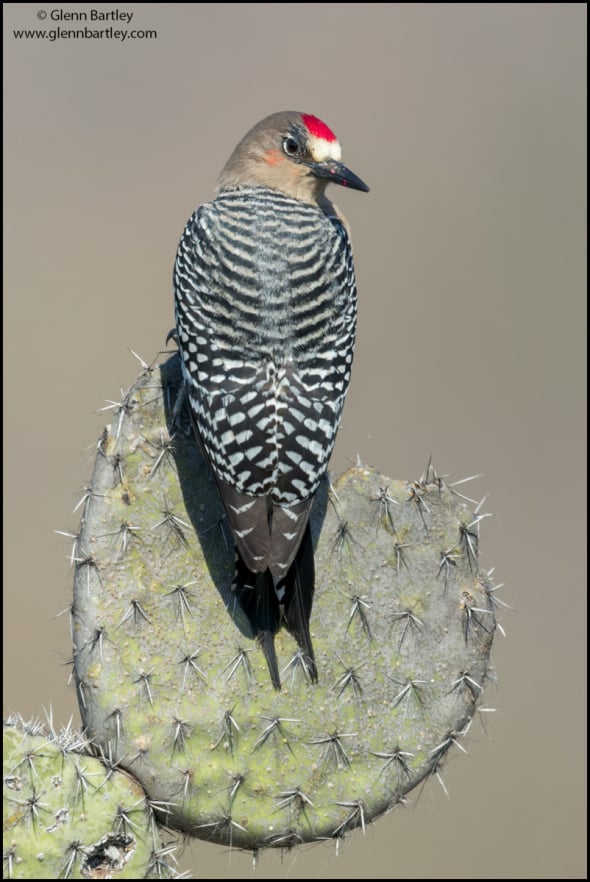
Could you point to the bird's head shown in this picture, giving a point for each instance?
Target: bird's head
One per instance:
(293, 152)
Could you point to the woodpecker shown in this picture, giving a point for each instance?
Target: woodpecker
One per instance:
(265, 305)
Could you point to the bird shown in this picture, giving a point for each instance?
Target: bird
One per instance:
(265, 313)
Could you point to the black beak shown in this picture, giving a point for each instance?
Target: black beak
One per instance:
(338, 174)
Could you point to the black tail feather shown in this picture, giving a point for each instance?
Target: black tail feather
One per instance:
(266, 639)
(258, 599)
(299, 585)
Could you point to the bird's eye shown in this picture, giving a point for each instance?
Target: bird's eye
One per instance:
(290, 146)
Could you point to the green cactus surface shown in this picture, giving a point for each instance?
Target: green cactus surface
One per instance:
(172, 685)
(67, 815)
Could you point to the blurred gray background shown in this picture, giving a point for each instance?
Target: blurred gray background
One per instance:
(469, 124)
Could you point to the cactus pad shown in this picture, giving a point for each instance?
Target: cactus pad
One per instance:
(171, 683)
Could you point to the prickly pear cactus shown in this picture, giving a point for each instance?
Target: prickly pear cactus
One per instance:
(68, 816)
(172, 685)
